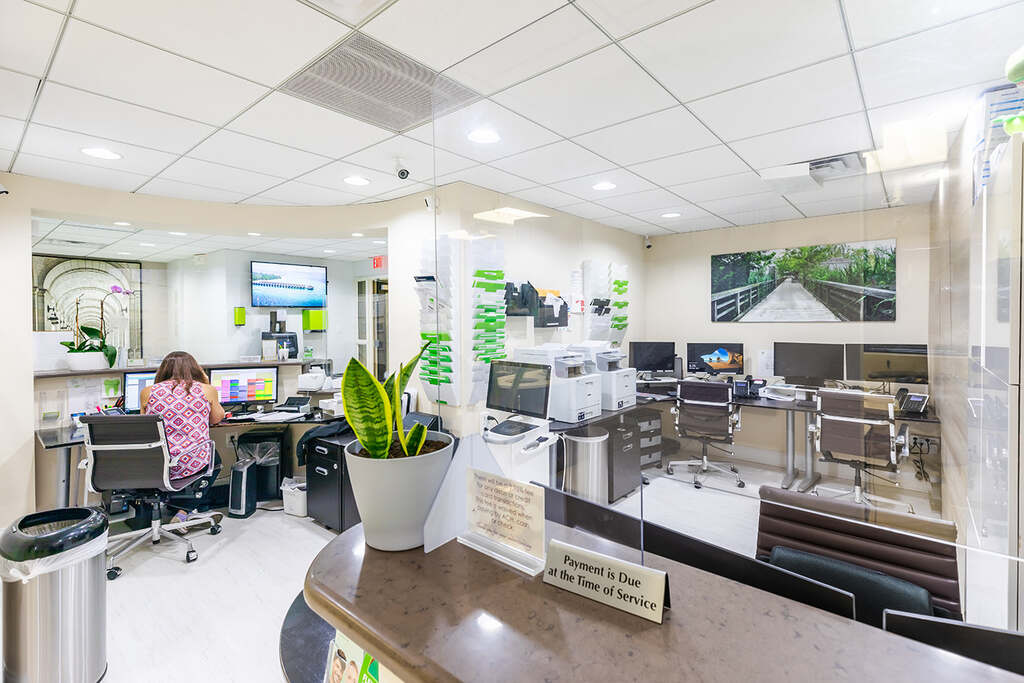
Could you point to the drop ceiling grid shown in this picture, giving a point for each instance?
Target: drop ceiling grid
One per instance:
(849, 52)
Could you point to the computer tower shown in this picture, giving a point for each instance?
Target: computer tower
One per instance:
(244, 488)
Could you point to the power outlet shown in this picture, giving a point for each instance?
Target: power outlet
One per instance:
(923, 445)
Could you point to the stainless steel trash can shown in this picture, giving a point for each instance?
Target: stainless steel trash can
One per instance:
(586, 463)
(55, 597)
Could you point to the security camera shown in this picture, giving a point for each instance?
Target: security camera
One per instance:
(3, 190)
(402, 171)
(647, 242)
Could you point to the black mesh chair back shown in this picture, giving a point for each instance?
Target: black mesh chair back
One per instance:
(126, 452)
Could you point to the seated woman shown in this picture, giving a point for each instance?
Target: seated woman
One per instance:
(182, 395)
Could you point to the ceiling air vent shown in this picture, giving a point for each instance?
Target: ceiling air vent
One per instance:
(840, 166)
(369, 81)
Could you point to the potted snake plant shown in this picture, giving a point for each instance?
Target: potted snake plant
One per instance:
(395, 475)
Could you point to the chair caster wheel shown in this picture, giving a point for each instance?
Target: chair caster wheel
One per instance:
(658, 465)
(113, 573)
(645, 481)
(215, 529)
(668, 471)
(697, 485)
(733, 469)
(191, 556)
(156, 542)
(740, 484)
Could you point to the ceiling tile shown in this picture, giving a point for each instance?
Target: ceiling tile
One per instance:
(630, 224)
(291, 121)
(968, 51)
(596, 90)
(624, 181)
(731, 42)
(174, 188)
(77, 110)
(263, 40)
(554, 162)
(869, 186)
(588, 210)
(27, 36)
(217, 176)
(557, 38)
(439, 33)
(333, 177)
(656, 135)
(166, 236)
(750, 202)
(913, 185)
(546, 196)
(816, 140)
(487, 177)
(18, 91)
(517, 134)
(310, 195)
(60, 144)
(267, 201)
(757, 216)
(688, 216)
(875, 21)
(243, 151)
(828, 207)
(646, 201)
(112, 65)
(6, 156)
(620, 18)
(418, 158)
(684, 168)
(821, 91)
(82, 174)
(10, 132)
(403, 191)
(947, 110)
(97, 236)
(351, 11)
(59, 5)
(726, 186)
(695, 224)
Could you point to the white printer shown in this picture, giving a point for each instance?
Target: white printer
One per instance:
(618, 383)
(575, 393)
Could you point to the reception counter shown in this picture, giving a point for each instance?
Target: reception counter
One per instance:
(458, 615)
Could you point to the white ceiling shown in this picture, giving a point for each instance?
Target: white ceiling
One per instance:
(676, 102)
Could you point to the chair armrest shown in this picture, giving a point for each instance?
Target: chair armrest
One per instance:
(902, 437)
(736, 418)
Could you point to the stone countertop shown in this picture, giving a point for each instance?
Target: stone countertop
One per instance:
(457, 614)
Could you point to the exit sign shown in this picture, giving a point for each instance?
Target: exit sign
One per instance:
(379, 262)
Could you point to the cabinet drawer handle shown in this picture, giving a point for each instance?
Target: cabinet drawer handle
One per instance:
(320, 449)
(321, 471)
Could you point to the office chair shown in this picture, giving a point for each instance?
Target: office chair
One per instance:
(862, 426)
(707, 414)
(127, 462)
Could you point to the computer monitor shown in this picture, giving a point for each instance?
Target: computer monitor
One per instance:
(715, 358)
(245, 385)
(521, 388)
(903, 363)
(134, 383)
(808, 364)
(652, 356)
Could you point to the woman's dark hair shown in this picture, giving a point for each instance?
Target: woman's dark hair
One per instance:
(179, 366)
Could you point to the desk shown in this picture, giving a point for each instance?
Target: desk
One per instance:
(458, 615)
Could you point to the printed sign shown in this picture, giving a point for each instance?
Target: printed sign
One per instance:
(349, 663)
(507, 511)
(624, 585)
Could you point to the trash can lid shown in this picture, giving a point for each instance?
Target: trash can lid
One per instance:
(47, 533)
(587, 434)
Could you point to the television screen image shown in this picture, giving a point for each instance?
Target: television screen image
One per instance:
(727, 358)
(283, 285)
(802, 363)
(245, 385)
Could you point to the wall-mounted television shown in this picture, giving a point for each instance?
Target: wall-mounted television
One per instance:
(286, 285)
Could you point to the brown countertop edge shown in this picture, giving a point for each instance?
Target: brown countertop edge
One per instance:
(401, 608)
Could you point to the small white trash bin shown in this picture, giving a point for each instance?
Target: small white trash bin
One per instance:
(293, 494)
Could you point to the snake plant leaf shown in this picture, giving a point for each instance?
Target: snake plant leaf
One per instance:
(367, 409)
(396, 406)
(415, 439)
(401, 380)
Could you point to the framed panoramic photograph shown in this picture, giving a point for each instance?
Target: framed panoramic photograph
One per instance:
(849, 281)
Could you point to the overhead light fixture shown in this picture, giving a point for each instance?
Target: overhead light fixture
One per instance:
(123, 224)
(380, 241)
(253, 234)
(357, 180)
(329, 251)
(791, 178)
(100, 153)
(604, 186)
(670, 214)
(484, 136)
(357, 234)
(146, 244)
(507, 215)
(177, 234)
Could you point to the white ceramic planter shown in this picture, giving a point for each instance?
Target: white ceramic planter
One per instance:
(93, 360)
(394, 495)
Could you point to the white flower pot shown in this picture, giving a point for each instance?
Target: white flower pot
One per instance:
(394, 495)
(90, 360)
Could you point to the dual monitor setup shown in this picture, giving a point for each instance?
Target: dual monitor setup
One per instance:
(235, 386)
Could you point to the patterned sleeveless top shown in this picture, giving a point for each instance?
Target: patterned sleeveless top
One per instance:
(186, 422)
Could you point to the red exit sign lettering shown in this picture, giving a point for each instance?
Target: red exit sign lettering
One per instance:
(379, 262)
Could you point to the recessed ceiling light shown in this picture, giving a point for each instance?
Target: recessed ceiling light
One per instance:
(670, 214)
(124, 253)
(146, 244)
(484, 136)
(123, 224)
(178, 234)
(380, 241)
(100, 153)
(357, 180)
(357, 234)
(329, 251)
(254, 234)
(604, 185)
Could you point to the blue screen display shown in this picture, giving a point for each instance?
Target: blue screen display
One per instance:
(288, 286)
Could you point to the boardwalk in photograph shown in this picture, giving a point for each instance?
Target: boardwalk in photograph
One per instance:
(790, 302)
